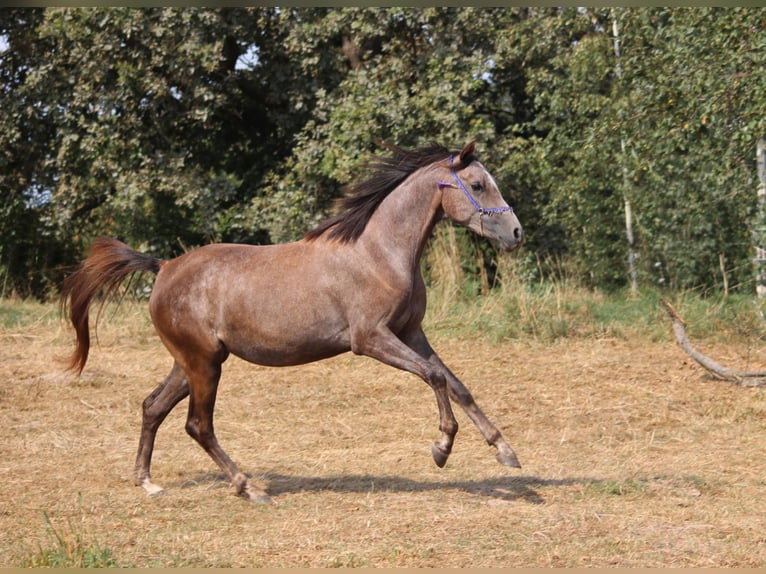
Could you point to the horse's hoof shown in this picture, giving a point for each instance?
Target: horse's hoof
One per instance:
(255, 495)
(507, 457)
(152, 489)
(261, 499)
(440, 457)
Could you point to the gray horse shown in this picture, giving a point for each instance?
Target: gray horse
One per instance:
(352, 284)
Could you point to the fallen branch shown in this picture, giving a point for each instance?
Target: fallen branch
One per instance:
(718, 371)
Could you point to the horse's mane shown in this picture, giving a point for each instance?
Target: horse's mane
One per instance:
(362, 199)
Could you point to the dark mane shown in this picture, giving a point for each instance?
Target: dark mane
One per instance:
(363, 198)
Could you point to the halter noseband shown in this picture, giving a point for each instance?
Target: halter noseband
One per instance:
(482, 210)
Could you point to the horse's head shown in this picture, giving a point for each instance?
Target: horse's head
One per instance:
(470, 197)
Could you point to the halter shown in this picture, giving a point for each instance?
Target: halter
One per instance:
(482, 210)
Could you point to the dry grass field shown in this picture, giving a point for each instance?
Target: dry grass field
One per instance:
(631, 457)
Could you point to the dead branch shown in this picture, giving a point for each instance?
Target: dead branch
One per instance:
(718, 371)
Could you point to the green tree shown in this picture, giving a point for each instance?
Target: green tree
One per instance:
(28, 246)
(404, 75)
(697, 111)
(138, 98)
(176, 127)
(689, 108)
(148, 124)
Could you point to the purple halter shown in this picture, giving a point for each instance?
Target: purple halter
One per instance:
(479, 208)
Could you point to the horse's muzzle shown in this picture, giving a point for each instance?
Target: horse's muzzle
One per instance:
(508, 244)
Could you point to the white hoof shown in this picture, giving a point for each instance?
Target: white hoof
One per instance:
(152, 489)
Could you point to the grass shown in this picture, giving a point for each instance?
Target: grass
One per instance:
(628, 487)
(523, 306)
(69, 548)
(15, 313)
(518, 307)
(552, 311)
(631, 456)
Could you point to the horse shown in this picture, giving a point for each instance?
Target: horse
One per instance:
(353, 283)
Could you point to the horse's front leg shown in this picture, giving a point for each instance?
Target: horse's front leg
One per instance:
(460, 393)
(386, 347)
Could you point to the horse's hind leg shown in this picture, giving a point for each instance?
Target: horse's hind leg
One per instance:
(155, 409)
(203, 386)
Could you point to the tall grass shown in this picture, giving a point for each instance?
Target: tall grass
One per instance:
(519, 298)
(527, 303)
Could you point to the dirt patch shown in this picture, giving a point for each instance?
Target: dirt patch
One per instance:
(630, 457)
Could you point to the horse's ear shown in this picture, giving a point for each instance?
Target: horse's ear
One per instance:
(467, 153)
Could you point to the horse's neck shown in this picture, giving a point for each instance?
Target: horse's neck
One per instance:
(400, 227)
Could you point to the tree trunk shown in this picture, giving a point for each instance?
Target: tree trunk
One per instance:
(632, 272)
(760, 224)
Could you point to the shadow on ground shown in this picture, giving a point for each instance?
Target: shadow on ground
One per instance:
(502, 488)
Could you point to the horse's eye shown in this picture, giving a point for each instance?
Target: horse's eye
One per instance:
(476, 186)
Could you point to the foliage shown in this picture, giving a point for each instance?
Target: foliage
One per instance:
(175, 127)
(693, 125)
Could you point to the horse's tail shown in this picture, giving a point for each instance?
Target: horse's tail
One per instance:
(107, 265)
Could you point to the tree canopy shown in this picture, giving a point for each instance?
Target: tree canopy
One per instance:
(174, 127)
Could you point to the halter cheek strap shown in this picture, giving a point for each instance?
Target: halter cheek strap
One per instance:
(479, 208)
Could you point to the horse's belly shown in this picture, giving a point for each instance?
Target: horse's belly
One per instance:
(285, 357)
(279, 350)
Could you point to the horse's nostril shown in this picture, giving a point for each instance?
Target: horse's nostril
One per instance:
(518, 233)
